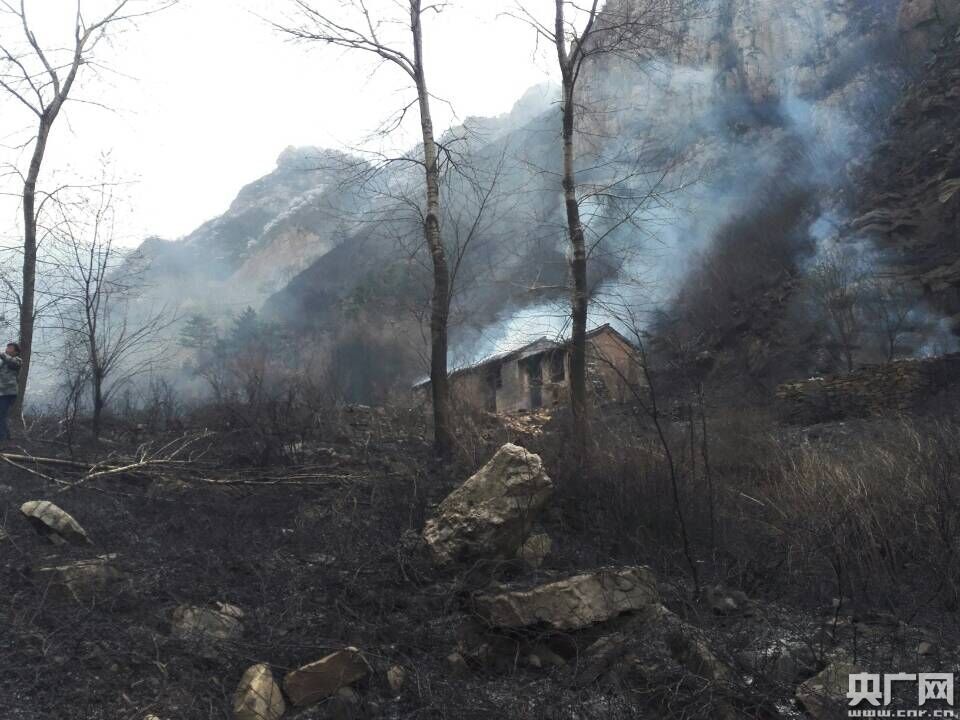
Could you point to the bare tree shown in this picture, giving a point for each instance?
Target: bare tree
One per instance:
(41, 79)
(355, 28)
(837, 286)
(98, 312)
(629, 30)
(890, 307)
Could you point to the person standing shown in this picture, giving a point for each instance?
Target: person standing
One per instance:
(9, 370)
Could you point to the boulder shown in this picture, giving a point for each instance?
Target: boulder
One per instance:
(54, 523)
(574, 602)
(258, 696)
(491, 514)
(204, 626)
(824, 696)
(323, 678)
(83, 579)
(535, 550)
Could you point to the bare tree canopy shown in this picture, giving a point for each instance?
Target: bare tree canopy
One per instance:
(40, 77)
(631, 30)
(355, 28)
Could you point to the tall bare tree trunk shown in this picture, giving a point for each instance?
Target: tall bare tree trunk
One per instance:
(27, 296)
(578, 255)
(98, 402)
(440, 300)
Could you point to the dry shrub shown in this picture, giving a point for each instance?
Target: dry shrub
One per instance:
(880, 510)
(867, 511)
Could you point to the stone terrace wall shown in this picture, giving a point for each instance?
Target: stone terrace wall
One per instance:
(900, 386)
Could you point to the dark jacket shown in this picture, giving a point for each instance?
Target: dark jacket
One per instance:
(9, 370)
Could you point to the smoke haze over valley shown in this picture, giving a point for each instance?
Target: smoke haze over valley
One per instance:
(732, 114)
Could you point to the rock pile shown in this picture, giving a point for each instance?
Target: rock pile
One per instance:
(899, 386)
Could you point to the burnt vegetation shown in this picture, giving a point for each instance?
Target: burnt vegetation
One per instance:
(753, 498)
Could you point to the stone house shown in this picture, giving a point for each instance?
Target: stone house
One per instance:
(537, 374)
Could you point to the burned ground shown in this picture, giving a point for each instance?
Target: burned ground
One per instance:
(323, 553)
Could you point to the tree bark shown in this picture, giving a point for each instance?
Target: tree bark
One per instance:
(578, 254)
(440, 299)
(27, 295)
(98, 403)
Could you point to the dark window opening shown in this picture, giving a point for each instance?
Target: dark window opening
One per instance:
(558, 370)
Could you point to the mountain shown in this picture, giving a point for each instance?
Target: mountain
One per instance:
(275, 228)
(909, 193)
(756, 133)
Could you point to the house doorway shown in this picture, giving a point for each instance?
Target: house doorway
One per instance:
(534, 370)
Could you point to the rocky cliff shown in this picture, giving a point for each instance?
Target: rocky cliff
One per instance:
(746, 113)
(908, 199)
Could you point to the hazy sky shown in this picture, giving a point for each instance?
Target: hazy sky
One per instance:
(204, 96)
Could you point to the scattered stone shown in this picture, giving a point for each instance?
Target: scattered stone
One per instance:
(204, 626)
(824, 696)
(54, 523)
(926, 647)
(258, 697)
(546, 657)
(396, 677)
(458, 666)
(573, 602)
(229, 610)
(535, 550)
(83, 579)
(726, 602)
(490, 515)
(321, 679)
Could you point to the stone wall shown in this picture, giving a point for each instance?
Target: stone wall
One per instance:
(900, 386)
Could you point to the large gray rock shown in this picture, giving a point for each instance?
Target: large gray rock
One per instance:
(573, 602)
(491, 514)
(54, 523)
(258, 696)
(323, 678)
